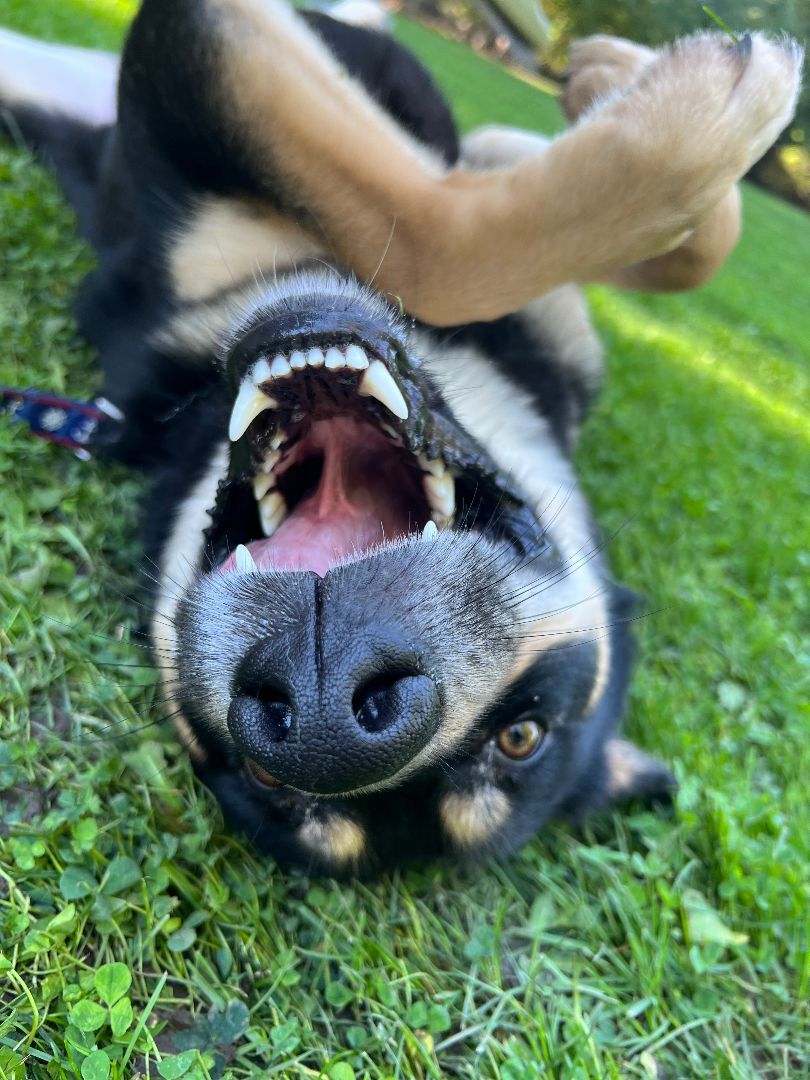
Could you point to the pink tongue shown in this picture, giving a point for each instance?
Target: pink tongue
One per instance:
(360, 501)
(309, 540)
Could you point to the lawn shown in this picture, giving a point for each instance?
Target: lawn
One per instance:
(136, 934)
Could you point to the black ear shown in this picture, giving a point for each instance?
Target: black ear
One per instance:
(630, 773)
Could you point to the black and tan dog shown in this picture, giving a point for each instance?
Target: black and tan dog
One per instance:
(383, 619)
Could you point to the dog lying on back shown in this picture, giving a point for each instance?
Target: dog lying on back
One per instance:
(350, 357)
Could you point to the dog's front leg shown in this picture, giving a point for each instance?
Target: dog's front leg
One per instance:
(640, 172)
(627, 184)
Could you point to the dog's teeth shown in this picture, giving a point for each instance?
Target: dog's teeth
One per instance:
(272, 511)
(244, 561)
(298, 360)
(430, 531)
(280, 368)
(315, 358)
(261, 485)
(441, 497)
(260, 372)
(356, 358)
(435, 467)
(270, 460)
(335, 360)
(250, 401)
(378, 382)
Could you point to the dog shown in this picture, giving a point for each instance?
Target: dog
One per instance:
(353, 357)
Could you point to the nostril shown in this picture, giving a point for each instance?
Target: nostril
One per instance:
(277, 711)
(264, 707)
(374, 704)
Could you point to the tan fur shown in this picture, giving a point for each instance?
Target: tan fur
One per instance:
(561, 322)
(182, 552)
(643, 170)
(227, 242)
(470, 820)
(335, 838)
(625, 763)
(697, 259)
(600, 66)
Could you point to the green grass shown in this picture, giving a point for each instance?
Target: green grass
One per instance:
(642, 946)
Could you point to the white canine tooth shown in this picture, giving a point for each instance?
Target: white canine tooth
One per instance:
(250, 401)
(441, 496)
(378, 382)
(244, 561)
(280, 368)
(272, 511)
(315, 358)
(275, 444)
(298, 360)
(270, 461)
(335, 360)
(261, 485)
(356, 358)
(430, 531)
(260, 372)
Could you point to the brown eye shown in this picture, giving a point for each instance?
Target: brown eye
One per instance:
(520, 739)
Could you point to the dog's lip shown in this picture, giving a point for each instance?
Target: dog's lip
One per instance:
(259, 777)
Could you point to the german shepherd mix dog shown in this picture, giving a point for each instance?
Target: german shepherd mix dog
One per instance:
(383, 619)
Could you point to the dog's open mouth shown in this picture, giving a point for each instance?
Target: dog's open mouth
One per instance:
(340, 445)
(332, 474)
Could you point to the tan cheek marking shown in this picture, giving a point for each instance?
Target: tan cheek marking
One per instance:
(164, 641)
(227, 242)
(473, 819)
(335, 838)
(602, 644)
(580, 623)
(180, 554)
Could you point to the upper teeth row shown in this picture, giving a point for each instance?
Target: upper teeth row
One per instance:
(377, 382)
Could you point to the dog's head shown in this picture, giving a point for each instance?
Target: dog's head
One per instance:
(399, 639)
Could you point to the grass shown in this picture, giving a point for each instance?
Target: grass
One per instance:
(137, 935)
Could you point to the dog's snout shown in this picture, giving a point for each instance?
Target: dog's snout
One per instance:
(335, 708)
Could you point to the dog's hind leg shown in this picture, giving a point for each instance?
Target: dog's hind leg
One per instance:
(61, 102)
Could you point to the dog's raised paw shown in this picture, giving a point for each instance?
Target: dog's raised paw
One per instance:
(597, 67)
(707, 109)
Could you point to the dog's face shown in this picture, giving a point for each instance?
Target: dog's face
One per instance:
(385, 650)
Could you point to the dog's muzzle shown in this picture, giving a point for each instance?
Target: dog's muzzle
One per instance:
(338, 701)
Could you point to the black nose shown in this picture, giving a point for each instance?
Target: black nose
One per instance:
(331, 705)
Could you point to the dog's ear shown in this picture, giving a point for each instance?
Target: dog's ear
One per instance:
(631, 773)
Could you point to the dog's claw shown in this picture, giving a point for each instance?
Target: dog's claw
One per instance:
(743, 46)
